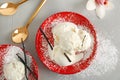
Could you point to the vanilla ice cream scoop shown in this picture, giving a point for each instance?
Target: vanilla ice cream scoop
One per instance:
(86, 39)
(60, 29)
(58, 56)
(70, 42)
(14, 70)
(68, 39)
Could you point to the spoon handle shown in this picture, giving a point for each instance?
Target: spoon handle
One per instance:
(35, 13)
(21, 2)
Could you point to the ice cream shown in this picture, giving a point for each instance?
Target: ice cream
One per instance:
(68, 39)
(86, 39)
(14, 70)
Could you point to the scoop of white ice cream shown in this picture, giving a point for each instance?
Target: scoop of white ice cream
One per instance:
(70, 42)
(68, 39)
(14, 70)
(58, 56)
(86, 39)
(60, 29)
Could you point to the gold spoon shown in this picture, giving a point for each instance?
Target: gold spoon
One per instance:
(22, 32)
(9, 8)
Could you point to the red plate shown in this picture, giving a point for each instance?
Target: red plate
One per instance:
(42, 47)
(3, 51)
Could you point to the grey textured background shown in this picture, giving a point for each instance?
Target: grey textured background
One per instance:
(109, 25)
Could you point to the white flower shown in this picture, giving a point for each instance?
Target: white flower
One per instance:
(99, 6)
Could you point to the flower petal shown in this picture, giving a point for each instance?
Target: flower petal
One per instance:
(100, 11)
(100, 2)
(91, 5)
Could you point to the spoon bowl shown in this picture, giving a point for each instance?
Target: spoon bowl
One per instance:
(10, 8)
(22, 32)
